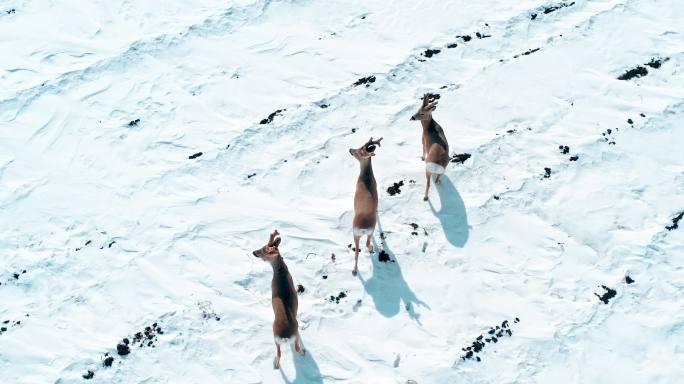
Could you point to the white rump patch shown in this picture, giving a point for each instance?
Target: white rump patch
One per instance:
(281, 341)
(363, 231)
(435, 168)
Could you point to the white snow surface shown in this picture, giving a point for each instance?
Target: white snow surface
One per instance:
(117, 228)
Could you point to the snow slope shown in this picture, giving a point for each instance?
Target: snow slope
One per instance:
(117, 228)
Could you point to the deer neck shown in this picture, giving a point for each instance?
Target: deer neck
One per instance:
(279, 267)
(366, 173)
(428, 124)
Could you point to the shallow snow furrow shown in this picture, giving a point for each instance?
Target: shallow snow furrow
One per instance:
(227, 21)
(518, 229)
(309, 114)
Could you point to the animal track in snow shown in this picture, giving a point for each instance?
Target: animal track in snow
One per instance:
(207, 310)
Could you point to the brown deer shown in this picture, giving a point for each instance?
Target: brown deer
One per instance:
(435, 146)
(283, 298)
(365, 199)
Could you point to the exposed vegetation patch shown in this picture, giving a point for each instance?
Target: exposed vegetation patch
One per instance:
(367, 81)
(7, 324)
(675, 222)
(493, 335)
(634, 73)
(640, 71)
(384, 257)
(395, 189)
(270, 117)
(460, 158)
(431, 52)
(607, 136)
(607, 295)
(194, 156)
(146, 338)
(336, 299)
(551, 8)
(527, 53)
(656, 62)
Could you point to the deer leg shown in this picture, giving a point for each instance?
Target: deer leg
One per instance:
(356, 255)
(438, 179)
(276, 362)
(298, 346)
(368, 244)
(427, 186)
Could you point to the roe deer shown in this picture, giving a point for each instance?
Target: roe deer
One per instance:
(365, 198)
(283, 298)
(435, 146)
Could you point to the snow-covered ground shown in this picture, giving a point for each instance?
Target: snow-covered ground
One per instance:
(108, 226)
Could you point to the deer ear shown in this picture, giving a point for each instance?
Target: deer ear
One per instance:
(276, 242)
(426, 98)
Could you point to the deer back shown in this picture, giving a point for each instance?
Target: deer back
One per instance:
(284, 300)
(437, 147)
(366, 198)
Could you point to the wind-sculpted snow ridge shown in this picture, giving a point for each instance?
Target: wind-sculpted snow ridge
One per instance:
(137, 181)
(220, 24)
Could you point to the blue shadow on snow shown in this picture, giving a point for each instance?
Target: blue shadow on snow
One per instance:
(452, 213)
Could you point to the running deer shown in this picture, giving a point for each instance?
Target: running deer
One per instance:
(365, 198)
(435, 146)
(283, 298)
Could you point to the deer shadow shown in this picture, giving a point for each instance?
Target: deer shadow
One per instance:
(306, 369)
(452, 213)
(387, 286)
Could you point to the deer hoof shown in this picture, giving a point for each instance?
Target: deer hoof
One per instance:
(425, 198)
(370, 249)
(276, 364)
(355, 272)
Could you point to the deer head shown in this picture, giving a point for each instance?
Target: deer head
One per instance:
(269, 252)
(365, 151)
(425, 111)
